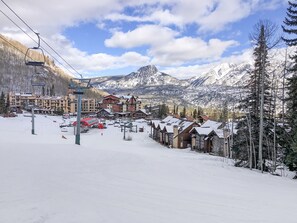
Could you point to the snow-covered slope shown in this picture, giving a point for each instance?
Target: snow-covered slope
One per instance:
(48, 179)
(224, 74)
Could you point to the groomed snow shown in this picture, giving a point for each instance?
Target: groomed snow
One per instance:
(45, 178)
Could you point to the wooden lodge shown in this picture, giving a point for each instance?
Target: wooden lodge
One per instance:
(210, 137)
(172, 132)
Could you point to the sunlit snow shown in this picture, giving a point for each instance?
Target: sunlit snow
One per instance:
(47, 178)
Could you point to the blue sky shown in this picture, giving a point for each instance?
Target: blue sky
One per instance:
(113, 37)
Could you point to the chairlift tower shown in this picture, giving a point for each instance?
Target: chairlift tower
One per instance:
(79, 85)
(29, 61)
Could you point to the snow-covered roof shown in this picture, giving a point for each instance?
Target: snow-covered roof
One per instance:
(107, 110)
(219, 133)
(170, 119)
(25, 95)
(167, 119)
(143, 111)
(169, 128)
(141, 120)
(124, 96)
(162, 125)
(155, 122)
(202, 130)
(184, 125)
(211, 124)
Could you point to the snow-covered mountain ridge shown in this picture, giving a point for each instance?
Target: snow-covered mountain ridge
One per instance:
(220, 83)
(224, 74)
(146, 76)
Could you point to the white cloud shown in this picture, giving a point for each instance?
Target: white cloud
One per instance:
(162, 17)
(143, 35)
(166, 49)
(55, 15)
(94, 63)
(186, 49)
(166, 46)
(210, 15)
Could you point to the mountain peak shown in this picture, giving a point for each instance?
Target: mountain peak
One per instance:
(148, 70)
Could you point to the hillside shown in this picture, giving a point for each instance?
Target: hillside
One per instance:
(15, 76)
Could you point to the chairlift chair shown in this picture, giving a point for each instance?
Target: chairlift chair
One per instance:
(32, 62)
(79, 85)
(38, 79)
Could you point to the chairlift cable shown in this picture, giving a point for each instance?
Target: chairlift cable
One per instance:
(17, 26)
(61, 57)
(41, 39)
(32, 58)
(28, 56)
(33, 41)
(12, 45)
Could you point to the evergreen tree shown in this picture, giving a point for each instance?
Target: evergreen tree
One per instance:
(183, 113)
(199, 111)
(43, 91)
(195, 113)
(163, 110)
(7, 106)
(290, 38)
(2, 103)
(254, 136)
(52, 90)
(224, 113)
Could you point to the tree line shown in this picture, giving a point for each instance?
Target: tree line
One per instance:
(266, 140)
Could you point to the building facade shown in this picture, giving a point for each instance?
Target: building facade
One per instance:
(120, 105)
(50, 105)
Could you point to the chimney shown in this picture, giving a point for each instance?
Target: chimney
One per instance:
(175, 136)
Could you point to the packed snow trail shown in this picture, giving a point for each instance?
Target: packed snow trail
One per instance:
(45, 178)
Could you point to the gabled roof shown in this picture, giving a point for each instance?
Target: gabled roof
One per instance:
(168, 128)
(167, 119)
(126, 97)
(143, 111)
(170, 119)
(202, 130)
(111, 96)
(155, 123)
(219, 133)
(211, 124)
(106, 110)
(162, 125)
(184, 125)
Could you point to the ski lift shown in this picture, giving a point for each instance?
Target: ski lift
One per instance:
(32, 62)
(79, 85)
(38, 79)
